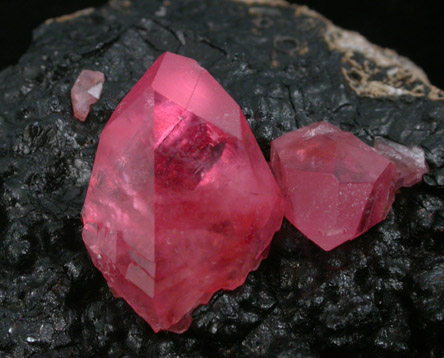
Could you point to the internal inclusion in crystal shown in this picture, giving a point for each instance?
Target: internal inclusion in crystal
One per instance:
(187, 149)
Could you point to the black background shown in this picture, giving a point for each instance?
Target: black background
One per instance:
(414, 28)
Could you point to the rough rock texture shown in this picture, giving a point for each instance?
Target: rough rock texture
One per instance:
(379, 296)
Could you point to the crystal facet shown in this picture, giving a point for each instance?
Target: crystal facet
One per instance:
(335, 186)
(410, 162)
(181, 201)
(86, 91)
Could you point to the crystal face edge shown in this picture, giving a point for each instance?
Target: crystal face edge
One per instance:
(180, 272)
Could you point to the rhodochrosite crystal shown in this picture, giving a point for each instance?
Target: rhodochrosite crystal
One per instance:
(181, 202)
(335, 186)
(410, 162)
(86, 91)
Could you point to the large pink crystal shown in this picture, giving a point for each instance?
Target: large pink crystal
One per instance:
(86, 91)
(335, 186)
(181, 201)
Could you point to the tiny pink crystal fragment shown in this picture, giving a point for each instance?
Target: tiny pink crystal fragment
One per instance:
(181, 201)
(335, 186)
(410, 161)
(86, 91)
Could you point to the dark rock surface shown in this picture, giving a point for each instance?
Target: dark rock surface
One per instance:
(381, 295)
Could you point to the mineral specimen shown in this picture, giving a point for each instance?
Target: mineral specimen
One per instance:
(181, 202)
(85, 92)
(336, 187)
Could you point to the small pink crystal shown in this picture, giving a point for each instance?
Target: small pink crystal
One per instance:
(86, 91)
(410, 161)
(335, 186)
(181, 201)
